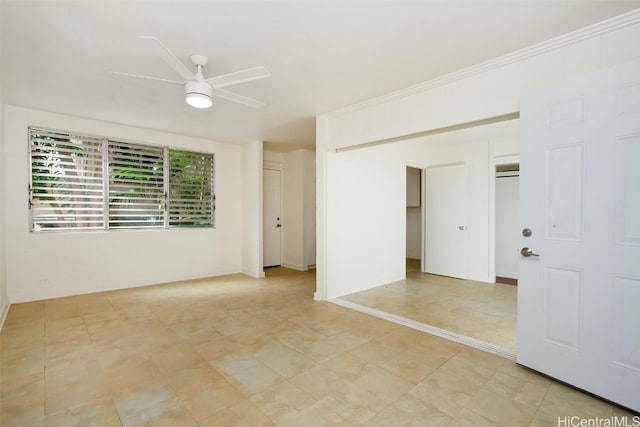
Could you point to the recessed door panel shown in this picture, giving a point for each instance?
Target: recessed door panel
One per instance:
(626, 320)
(562, 306)
(563, 192)
(629, 99)
(565, 113)
(627, 191)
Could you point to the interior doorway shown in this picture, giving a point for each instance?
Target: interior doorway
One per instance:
(507, 229)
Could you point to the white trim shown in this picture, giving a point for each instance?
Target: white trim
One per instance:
(268, 164)
(423, 219)
(256, 274)
(321, 209)
(294, 267)
(416, 165)
(423, 223)
(508, 174)
(442, 333)
(598, 29)
(3, 315)
(421, 134)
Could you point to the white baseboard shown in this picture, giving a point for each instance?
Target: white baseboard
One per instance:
(442, 333)
(254, 273)
(3, 315)
(295, 267)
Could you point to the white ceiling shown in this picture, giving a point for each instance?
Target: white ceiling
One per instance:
(56, 55)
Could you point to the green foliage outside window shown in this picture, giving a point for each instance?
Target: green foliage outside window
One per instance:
(144, 186)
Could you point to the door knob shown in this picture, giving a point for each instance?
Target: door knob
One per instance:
(526, 252)
(278, 225)
(462, 227)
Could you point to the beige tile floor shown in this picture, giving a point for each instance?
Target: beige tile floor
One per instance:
(485, 311)
(239, 351)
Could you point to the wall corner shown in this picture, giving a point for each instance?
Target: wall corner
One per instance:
(322, 136)
(252, 155)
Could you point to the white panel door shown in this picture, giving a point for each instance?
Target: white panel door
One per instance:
(579, 298)
(272, 224)
(446, 221)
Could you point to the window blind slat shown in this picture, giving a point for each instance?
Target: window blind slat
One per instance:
(62, 166)
(68, 189)
(136, 187)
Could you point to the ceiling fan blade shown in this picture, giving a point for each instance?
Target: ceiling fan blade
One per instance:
(146, 77)
(238, 77)
(240, 99)
(171, 59)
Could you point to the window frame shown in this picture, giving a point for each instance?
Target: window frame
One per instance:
(118, 159)
(106, 178)
(171, 201)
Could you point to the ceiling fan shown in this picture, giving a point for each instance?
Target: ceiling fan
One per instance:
(199, 92)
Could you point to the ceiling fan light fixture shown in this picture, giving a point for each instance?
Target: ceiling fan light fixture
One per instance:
(198, 94)
(198, 100)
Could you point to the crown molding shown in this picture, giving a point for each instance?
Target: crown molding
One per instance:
(585, 33)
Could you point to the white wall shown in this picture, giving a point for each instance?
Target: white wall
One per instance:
(46, 265)
(4, 299)
(309, 203)
(487, 90)
(366, 214)
(252, 209)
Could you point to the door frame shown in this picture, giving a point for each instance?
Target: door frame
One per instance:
(422, 168)
(277, 166)
(493, 163)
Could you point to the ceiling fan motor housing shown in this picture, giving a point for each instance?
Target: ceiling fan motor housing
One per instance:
(198, 94)
(200, 88)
